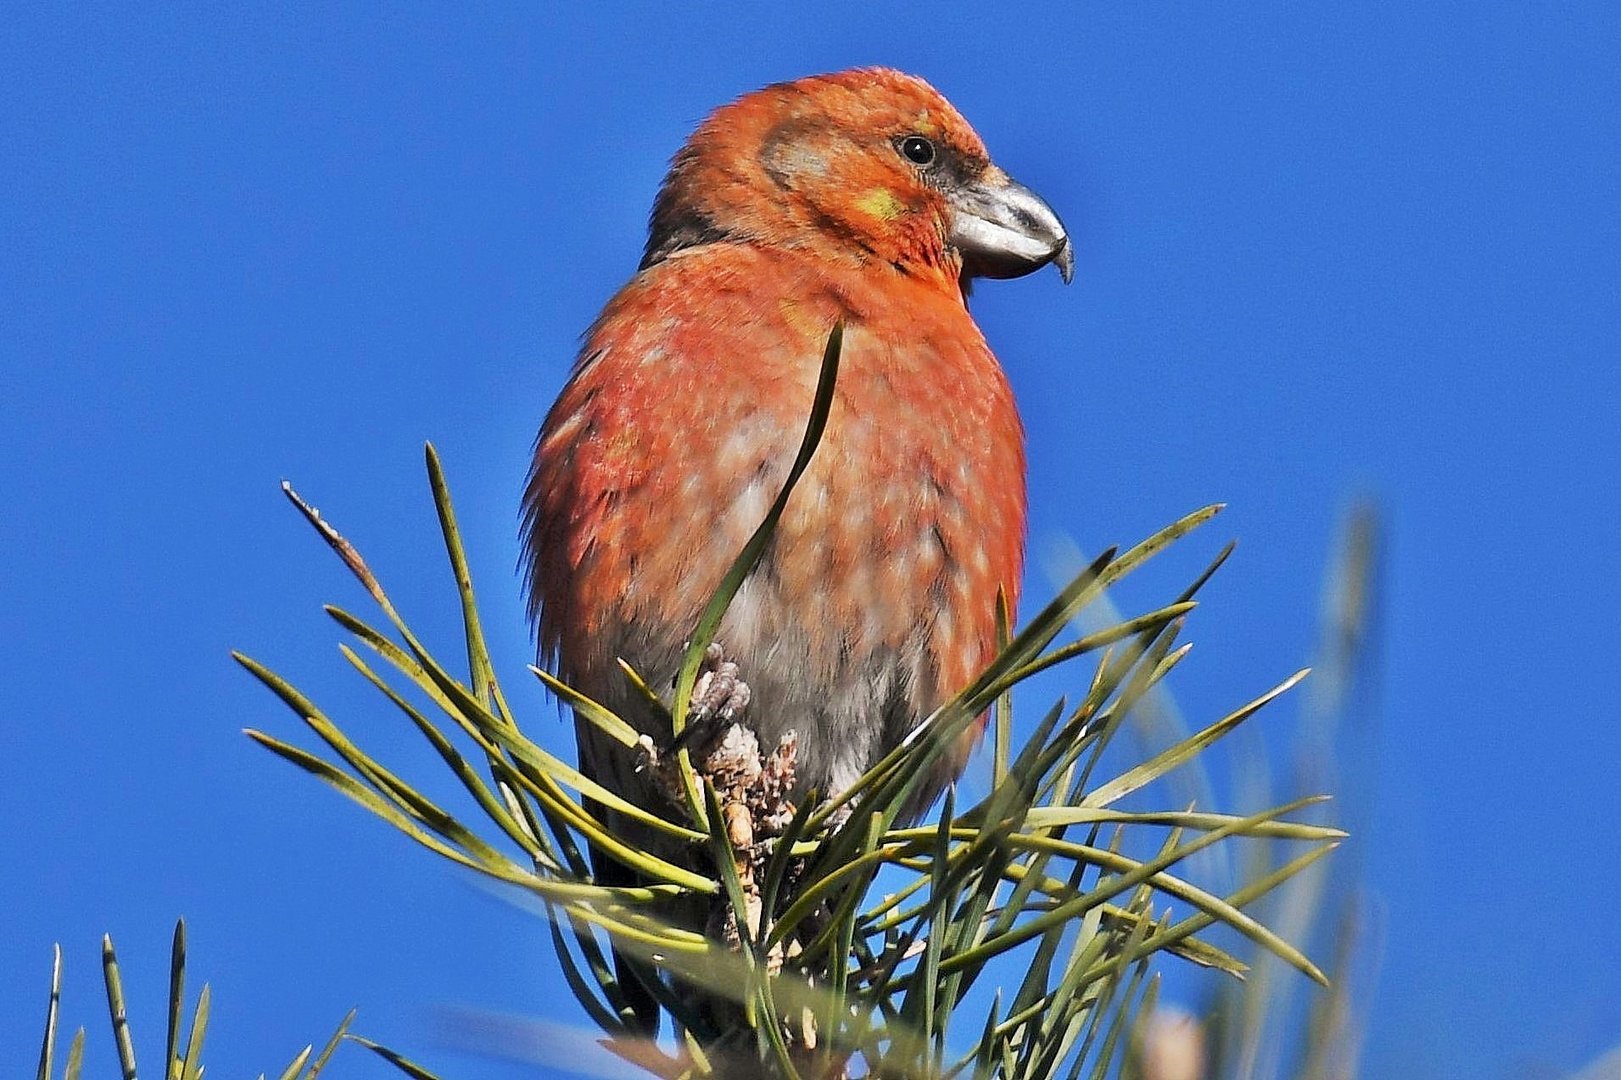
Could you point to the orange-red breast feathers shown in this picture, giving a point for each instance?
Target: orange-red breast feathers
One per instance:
(864, 197)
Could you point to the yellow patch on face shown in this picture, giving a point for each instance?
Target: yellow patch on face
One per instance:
(881, 203)
(923, 125)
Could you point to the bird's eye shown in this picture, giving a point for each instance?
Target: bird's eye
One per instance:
(917, 150)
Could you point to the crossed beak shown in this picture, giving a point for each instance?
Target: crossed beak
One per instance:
(1005, 230)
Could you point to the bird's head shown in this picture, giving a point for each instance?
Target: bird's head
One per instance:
(870, 165)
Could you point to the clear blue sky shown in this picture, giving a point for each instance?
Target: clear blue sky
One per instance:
(1319, 252)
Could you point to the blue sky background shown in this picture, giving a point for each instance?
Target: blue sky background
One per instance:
(1320, 252)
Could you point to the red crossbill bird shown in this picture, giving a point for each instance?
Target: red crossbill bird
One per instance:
(862, 197)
